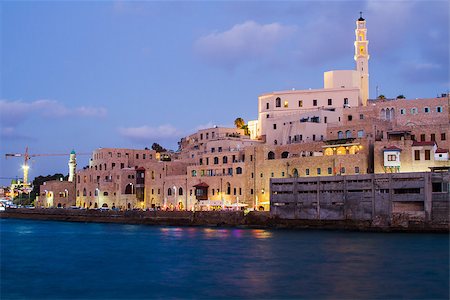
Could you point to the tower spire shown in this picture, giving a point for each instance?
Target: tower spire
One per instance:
(362, 58)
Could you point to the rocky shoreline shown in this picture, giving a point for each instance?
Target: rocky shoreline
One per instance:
(214, 219)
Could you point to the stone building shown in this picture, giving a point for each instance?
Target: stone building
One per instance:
(332, 131)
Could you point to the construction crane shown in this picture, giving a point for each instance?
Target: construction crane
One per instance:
(26, 157)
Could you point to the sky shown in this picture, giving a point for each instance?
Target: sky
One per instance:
(88, 74)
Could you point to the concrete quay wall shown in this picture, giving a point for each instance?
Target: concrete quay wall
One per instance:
(219, 219)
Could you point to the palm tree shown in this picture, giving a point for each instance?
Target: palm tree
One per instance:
(239, 123)
(382, 97)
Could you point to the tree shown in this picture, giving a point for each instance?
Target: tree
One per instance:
(158, 148)
(381, 97)
(401, 97)
(239, 122)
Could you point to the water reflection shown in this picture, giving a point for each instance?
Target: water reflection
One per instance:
(261, 233)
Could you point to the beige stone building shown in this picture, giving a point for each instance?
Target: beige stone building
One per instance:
(323, 132)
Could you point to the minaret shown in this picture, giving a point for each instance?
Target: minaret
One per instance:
(362, 58)
(72, 166)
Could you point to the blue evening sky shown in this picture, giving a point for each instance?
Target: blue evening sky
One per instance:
(82, 75)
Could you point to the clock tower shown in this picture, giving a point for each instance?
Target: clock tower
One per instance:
(362, 58)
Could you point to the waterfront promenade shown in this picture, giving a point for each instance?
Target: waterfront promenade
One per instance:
(254, 219)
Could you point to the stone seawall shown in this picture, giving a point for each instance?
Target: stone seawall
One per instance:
(217, 219)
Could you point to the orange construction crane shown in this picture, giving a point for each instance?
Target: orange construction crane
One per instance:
(26, 157)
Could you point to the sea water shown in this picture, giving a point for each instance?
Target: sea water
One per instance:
(62, 260)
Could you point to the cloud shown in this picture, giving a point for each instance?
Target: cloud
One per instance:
(14, 113)
(242, 43)
(10, 133)
(146, 134)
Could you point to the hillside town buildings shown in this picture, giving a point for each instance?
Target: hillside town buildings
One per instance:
(333, 131)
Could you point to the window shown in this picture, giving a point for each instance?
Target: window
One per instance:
(319, 171)
(345, 101)
(213, 150)
(360, 133)
(349, 117)
(105, 193)
(300, 103)
(278, 102)
(122, 165)
(413, 111)
(169, 192)
(361, 116)
(274, 126)
(307, 171)
(251, 191)
(261, 175)
(219, 149)
(392, 157)
(314, 102)
(340, 135)
(216, 160)
(267, 105)
(201, 136)
(330, 101)
(439, 109)
(238, 170)
(416, 155)
(137, 156)
(402, 111)
(422, 137)
(348, 134)
(343, 170)
(200, 161)
(426, 109)
(356, 170)
(443, 136)
(194, 173)
(225, 159)
(286, 104)
(282, 174)
(433, 137)
(325, 119)
(144, 156)
(180, 191)
(330, 170)
(270, 155)
(267, 116)
(285, 154)
(313, 137)
(427, 154)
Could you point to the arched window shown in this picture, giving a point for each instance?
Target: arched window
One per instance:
(285, 154)
(105, 193)
(194, 173)
(295, 172)
(225, 159)
(238, 170)
(329, 151)
(270, 155)
(383, 114)
(278, 102)
(348, 134)
(392, 113)
(228, 188)
(341, 151)
(275, 142)
(340, 135)
(216, 160)
(180, 191)
(353, 149)
(129, 189)
(84, 192)
(96, 192)
(169, 192)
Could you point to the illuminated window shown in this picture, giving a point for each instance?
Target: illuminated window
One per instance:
(329, 151)
(300, 103)
(286, 104)
(341, 151)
